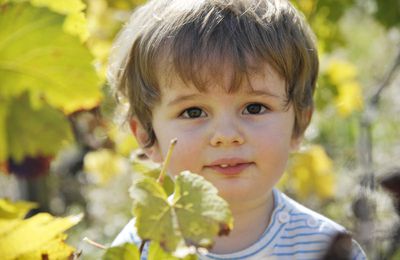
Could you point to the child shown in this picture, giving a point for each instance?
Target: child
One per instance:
(233, 81)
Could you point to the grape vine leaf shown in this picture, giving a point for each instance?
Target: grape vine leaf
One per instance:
(3, 130)
(30, 131)
(37, 56)
(35, 237)
(153, 170)
(62, 7)
(75, 22)
(126, 251)
(193, 217)
(156, 253)
(15, 210)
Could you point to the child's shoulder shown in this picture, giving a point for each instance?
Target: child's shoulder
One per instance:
(297, 213)
(302, 231)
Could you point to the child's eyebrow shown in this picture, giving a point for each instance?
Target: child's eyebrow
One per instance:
(262, 93)
(182, 98)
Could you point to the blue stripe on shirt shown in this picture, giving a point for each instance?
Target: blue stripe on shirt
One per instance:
(302, 243)
(265, 233)
(299, 252)
(298, 227)
(307, 234)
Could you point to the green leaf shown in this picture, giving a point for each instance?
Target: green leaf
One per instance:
(153, 170)
(194, 217)
(3, 130)
(388, 13)
(154, 214)
(37, 56)
(202, 214)
(125, 252)
(31, 132)
(156, 253)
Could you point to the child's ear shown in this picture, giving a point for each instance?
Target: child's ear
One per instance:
(296, 140)
(295, 143)
(141, 135)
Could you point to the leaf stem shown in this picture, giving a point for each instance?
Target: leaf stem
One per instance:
(167, 159)
(93, 243)
(142, 244)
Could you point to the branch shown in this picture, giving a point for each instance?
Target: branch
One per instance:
(166, 162)
(375, 98)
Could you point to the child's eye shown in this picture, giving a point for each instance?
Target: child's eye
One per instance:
(193, 112)
(255, 108)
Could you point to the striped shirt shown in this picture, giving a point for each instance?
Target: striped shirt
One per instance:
(294, 232)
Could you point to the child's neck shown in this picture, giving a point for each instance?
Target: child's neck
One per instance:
(250, 221)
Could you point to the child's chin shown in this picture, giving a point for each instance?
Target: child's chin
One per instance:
(233, 195)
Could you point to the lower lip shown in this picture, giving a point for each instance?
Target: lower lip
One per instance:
(230, 170)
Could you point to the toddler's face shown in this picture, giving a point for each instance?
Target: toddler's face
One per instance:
(239, 141)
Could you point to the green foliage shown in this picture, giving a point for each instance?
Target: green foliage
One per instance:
(156, 252)
(125, 252)
(33, 131)
(388, 12)
(323, 17)
(55, 69)
(123, 4)
(193, 218)
(153, 170)
(44, 74)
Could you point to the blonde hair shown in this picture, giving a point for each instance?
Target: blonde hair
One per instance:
(199, 37)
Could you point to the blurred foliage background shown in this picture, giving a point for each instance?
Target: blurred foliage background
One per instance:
(63, 145)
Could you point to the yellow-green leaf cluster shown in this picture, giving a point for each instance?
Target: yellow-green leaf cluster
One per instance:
(17, 210)
(57, 71)
(343, 75)
(37, 237)
(150, 169)
(104, 164)
(310, 173)
(33, 131)
(125, 252)
(125, 142)
(45, 73)
(75, 22)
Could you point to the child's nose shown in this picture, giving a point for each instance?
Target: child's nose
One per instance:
(226, 133)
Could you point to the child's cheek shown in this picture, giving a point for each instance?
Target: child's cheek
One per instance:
(185, 157)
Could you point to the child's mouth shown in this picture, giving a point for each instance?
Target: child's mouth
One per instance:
(230, 169)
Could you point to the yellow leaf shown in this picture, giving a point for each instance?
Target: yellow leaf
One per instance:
(340, 71)
(306, 6)
(76, 24)
(18, 210)
(54, 249)
(6, 225)
(61, 7)
(321, 163)
(33, 234)
(311, 173)
(349, 98)
(103, 164)
(124, 140)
